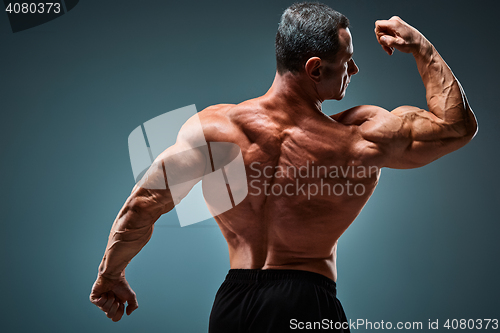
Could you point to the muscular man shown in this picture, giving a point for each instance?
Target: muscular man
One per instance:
(282, 237)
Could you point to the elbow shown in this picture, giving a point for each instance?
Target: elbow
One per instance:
(149, 204)
(471, 127)
(467, 127)
(472, 133)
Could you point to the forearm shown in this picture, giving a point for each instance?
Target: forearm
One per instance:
(123, 244)
(445, 96)
(131, 231)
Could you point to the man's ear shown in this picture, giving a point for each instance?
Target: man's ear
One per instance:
(313, 68)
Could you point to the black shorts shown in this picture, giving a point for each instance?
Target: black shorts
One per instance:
(260, 301)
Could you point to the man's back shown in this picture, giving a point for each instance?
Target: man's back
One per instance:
(308, 175)
(308, 178)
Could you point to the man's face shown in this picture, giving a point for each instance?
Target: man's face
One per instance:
(337, 73)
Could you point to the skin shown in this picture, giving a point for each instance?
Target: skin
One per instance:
(286, 127)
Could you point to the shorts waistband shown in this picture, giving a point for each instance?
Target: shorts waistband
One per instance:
(266, 275)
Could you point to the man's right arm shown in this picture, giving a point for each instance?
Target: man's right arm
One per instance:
(410, 137)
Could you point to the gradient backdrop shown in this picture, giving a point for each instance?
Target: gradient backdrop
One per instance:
(71, 90)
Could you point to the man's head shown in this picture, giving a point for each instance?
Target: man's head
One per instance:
(315, 39)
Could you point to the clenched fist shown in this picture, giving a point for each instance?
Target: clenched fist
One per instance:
(110, 295)
(397, 34)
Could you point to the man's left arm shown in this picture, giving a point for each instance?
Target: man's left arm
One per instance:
(131, 230)
(133, 227)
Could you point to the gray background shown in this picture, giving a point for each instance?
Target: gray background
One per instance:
(71, 91)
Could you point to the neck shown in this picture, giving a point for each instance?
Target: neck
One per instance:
(295, 92)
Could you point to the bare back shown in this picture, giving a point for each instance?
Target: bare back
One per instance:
(308, 178)
(308, 175)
